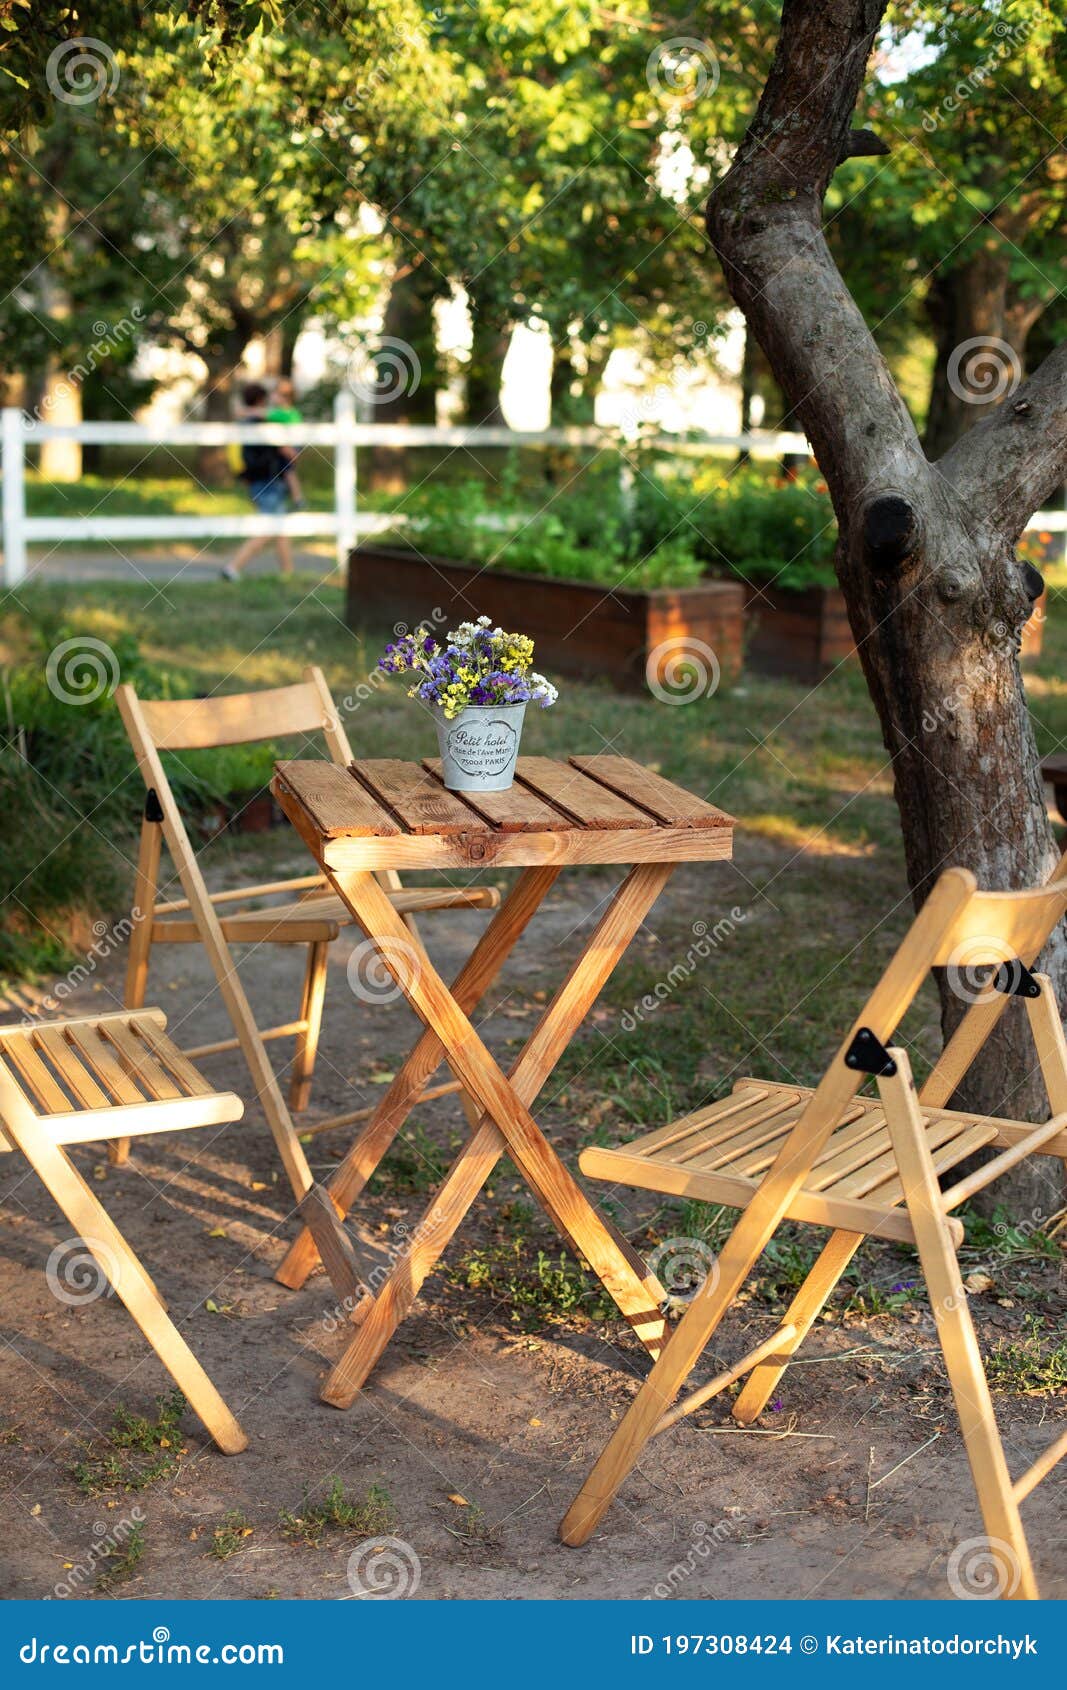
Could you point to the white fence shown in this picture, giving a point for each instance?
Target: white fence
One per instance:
(344, 435)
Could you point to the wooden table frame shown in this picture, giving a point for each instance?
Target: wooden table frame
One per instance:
(506, 1124)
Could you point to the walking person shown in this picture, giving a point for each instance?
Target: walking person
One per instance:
(264, 471)
(284, 409)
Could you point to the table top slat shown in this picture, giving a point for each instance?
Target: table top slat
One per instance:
(591, 805)
(338, 805)
(421, 804)
(512, 811)
(668, 803)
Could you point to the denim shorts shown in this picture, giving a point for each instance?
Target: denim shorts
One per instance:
(271, 498)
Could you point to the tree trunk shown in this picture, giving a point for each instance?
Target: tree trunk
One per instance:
(980, 334)
(490, 340)
(935, 594)
(223, 359)
(408, 372)
(213, 467)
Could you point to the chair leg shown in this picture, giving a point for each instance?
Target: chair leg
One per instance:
(144, 897)
(307, 1041)
(98, 1232)
(803, 1310)
(955, 1330)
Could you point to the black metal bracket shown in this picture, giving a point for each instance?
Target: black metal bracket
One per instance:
(1015, 980)
(153, 809)
(868, 1054)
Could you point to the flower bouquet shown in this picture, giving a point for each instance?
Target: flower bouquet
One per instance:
(477, 681)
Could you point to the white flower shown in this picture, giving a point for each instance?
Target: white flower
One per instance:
(543, 690)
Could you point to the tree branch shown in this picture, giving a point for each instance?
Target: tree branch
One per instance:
(765, 223)
(1012, 461)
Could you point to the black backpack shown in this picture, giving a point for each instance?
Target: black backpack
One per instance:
(262, 463)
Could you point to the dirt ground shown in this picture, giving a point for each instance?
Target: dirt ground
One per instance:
(478, 1427)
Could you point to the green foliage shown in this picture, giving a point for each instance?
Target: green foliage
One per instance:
(67, 773)
(336, 1512)
(667, 532)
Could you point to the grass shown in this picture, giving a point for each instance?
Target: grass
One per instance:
(818, 850)
(135, 1452)
(1030, 1364)
(123, 1559)
(417, 1162)
(539, 1289)
(229, 1538)
(315, 1521)
(818, 878)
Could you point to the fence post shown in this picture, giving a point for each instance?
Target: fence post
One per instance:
(14, 467)
(344, 474)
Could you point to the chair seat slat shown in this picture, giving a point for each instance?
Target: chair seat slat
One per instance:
(168, 1053)
(75, 1075)
(105, 1064)
(37, 1080)
(140, 1062)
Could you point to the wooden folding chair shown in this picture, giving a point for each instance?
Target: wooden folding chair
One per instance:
(830, 1158)
(105, 1077)
(313, 915)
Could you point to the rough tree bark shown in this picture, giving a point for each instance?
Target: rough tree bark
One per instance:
(223, 357)
(926, 557)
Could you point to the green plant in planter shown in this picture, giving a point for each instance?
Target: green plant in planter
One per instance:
(670, 530)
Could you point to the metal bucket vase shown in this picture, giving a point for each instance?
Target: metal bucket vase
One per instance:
(479, 746)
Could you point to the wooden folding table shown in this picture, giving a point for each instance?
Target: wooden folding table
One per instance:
(386, 814)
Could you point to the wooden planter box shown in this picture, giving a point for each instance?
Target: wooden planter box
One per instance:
(801, 634)
(578, 629)
(806, 634)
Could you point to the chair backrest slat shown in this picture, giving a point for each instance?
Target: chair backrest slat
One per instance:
(188, 724)
(998, 927)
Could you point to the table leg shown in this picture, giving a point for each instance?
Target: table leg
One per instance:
(508, 1126)
(470, 985)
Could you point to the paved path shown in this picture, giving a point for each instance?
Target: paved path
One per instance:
(184, 563)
